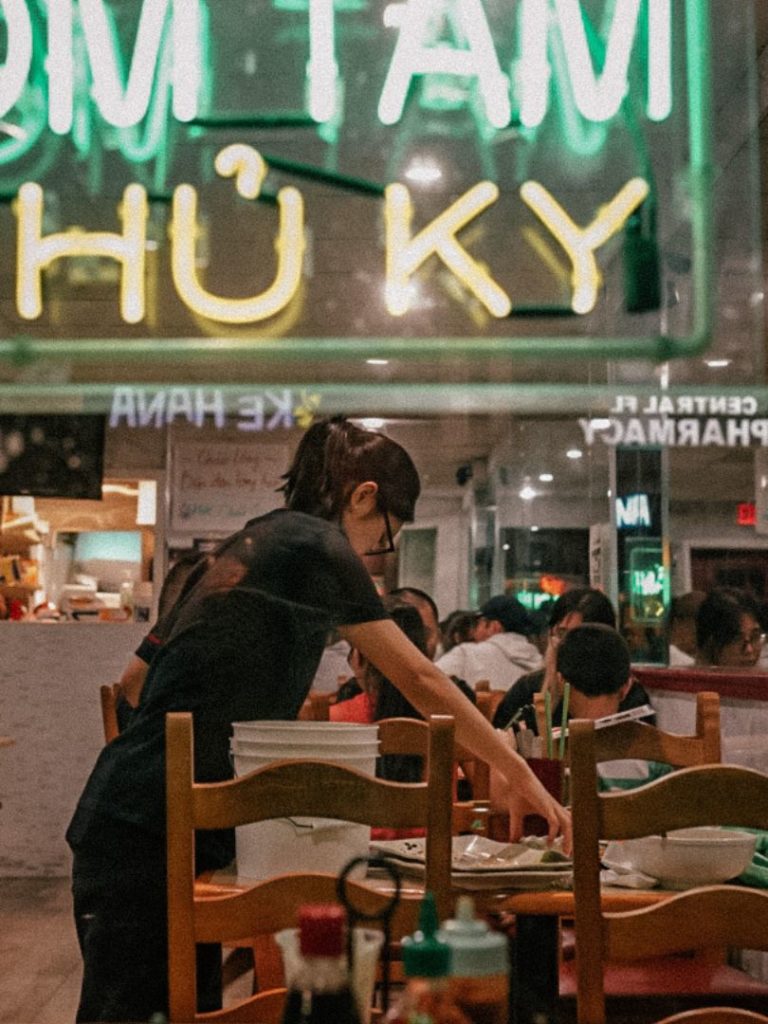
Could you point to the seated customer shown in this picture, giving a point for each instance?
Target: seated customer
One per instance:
(574, 607)
(728, 631)
(594, 660)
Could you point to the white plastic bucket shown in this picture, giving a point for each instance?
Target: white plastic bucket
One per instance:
(302, 732)
(284, 845)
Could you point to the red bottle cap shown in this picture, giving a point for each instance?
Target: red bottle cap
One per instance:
(321, 929)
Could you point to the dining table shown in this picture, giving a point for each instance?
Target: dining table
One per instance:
(534, 935)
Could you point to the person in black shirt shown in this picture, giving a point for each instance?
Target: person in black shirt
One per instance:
(573, 608)
(243, 642)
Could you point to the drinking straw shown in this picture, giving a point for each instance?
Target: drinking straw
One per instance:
(564, 719)
(548, 721)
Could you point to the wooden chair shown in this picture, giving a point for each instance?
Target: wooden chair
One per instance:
(636, 740)
(488, 700)
(712, 917)
(640, 741)
(411, 736)
(109, 694)
(285, 789)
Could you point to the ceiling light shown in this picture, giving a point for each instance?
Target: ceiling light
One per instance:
(546, 478)
(505, 547)
(377, 362)
(534, 529)
(717, 364)
(372, 423)
(423, 172)
(574, 453)
(527, 493)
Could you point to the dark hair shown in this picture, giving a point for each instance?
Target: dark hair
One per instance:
(718, 620)
(420, 595)
(334, 456)
(594, 659)
(591, 604)
(390, 703)
(685, 606)
(457, 628)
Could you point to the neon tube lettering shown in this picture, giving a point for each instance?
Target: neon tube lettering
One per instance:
(322, 69)
(597, 97)
(13, 74)
(405, 254)
(35, 252)
(413, 55)
(125, 106)
(582, 243)
(248, 168)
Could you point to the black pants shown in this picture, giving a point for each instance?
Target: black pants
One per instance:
(121, 919)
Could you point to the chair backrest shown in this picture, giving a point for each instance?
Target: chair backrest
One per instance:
(488, 700)
(707, 918)
(280, 790)
(411, 736)
(638, 740)
(109, 693)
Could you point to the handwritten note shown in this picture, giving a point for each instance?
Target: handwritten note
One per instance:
(218, 486)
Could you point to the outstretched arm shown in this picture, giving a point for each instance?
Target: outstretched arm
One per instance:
(132, 680)
(428, 689)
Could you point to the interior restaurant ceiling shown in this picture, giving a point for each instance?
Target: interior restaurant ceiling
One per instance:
(396, 380)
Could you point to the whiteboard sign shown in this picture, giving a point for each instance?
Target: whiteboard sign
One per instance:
(217, 487)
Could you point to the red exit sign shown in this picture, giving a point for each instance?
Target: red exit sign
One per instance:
(746, 514)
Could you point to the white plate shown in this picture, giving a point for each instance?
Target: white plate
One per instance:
(477, 855)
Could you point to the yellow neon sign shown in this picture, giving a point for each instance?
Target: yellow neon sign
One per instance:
(582, 243)
(405, 252)
(247, 167)
(36, 252)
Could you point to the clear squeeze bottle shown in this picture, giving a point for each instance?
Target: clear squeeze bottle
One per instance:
(426, 998)
(320, 992)
(479, 980)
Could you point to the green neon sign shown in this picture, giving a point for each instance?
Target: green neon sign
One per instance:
(133, 105)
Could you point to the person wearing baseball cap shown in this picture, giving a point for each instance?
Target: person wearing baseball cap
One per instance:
(501, 651)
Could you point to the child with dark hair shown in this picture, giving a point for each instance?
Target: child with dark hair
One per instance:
(573, 608)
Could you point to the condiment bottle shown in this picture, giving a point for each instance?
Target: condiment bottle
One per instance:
(426, 998)
(320, 991)
(479, 980)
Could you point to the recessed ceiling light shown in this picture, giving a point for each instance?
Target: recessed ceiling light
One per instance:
(505, 547)
(574, 453)
(534, 529)
(717, 364)
(372, 423)
(546, 478)
(423, 172)
(377, 362)
(527, 493)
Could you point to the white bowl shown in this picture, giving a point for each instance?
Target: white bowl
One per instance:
(686, 857)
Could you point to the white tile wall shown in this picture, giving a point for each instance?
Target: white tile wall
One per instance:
(49, 703)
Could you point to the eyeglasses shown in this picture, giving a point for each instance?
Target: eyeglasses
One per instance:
(754, 640)
(389, 547)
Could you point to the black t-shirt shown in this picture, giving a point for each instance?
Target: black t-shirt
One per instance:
(243, 644)
(519, 698)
